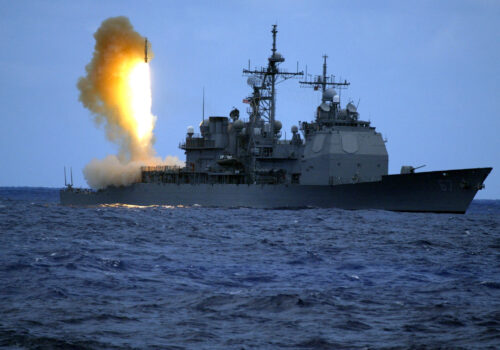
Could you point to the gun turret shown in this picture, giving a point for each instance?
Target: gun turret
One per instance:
(408, 169)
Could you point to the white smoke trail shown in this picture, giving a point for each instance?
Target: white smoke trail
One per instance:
(110, 171)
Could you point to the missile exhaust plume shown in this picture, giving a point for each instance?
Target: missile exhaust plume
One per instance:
(117, 90)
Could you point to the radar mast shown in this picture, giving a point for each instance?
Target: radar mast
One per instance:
(263, 82)
(323, 80)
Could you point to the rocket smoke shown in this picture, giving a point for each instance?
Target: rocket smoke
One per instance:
(117, 90)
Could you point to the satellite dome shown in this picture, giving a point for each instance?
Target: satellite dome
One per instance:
(325, 107)
(351, 108)
(204, 123)
(190, 130)
(238, 125)
(295, 129)
(336, 99)
(329, 94)
(253, 81)
(277, 125)
(277, 57)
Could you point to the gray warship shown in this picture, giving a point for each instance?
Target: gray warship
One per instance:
(336, 160)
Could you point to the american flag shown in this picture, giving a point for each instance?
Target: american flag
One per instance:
(246, 100)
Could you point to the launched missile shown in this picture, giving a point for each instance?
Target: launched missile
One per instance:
(146, 50)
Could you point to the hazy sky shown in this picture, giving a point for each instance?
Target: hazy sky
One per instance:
(426, 74)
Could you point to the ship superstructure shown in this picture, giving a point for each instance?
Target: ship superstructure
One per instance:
(336, 148)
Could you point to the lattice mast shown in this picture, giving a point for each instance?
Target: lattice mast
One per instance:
(263, 81)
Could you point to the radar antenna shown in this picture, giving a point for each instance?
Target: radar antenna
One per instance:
(263, 99)
(323, 80)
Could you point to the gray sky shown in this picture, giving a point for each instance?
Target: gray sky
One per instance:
(426, 74)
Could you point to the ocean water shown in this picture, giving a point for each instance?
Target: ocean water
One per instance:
(121, 277)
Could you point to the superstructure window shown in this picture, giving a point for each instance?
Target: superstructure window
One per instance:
(267, 151)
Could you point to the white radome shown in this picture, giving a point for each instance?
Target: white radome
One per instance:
(329, 94)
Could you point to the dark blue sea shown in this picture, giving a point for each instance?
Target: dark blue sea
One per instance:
(118, 277)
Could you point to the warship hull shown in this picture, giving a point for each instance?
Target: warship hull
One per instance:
(449, 191)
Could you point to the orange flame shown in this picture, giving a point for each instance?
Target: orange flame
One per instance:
(117, 89)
